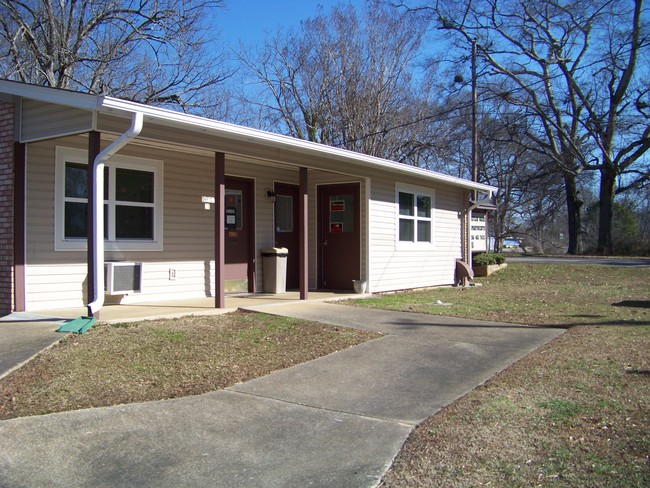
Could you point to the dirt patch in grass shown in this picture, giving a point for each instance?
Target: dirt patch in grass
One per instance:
(154, 360)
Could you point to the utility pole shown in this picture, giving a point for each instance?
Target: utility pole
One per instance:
(474, 121)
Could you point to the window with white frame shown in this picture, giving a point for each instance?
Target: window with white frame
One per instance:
(133, 202)
(415, 215)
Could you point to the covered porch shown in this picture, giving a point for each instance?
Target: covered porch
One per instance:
(167, 212)
(212, 192)
(119, 313)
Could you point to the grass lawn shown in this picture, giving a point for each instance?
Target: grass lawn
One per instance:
(574, 413)
(154, 360)
(559, 295)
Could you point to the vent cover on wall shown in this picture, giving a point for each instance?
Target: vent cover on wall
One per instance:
(122, 277)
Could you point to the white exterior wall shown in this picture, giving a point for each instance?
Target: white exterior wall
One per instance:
(394, 268)
(58, 279)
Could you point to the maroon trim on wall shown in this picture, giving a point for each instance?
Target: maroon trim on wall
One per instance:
(252, 268)
(19, 227)
(219, 224)
(94, 140)
(304, 235)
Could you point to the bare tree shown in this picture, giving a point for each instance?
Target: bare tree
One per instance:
(345, 79)
(151, 51)
(574, 68)
(616, 97)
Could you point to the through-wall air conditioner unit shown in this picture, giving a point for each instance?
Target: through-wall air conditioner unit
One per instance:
(122, 277)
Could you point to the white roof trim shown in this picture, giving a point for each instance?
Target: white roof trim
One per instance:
(223, 129)
(51, 95)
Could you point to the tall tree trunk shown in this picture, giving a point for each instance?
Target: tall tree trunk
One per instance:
(606, 210)
(573, 204)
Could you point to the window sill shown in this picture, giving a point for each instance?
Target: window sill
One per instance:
(73, 245)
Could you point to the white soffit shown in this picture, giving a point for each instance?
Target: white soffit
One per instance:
(245, 134)
(171, 118)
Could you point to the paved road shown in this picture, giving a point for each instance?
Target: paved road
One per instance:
(604, 261)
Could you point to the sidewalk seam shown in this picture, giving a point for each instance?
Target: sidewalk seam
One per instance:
(412, 425)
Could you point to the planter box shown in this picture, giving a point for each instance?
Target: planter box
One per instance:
(488, 270)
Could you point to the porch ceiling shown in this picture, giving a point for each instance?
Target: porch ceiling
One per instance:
(198, 133)
(243, 141)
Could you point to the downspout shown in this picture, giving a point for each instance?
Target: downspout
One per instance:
(98, 208)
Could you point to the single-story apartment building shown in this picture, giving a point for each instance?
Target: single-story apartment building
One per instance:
(107, 199)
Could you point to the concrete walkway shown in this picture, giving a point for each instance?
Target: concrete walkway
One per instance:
(23, 335)
(337, 421)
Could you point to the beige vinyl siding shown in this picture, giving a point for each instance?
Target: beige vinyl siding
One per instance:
(44, 120)
(55, 286)
(396, 269)
(57, 278)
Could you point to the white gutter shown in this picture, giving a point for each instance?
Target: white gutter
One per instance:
(98, 209)
(247, 135)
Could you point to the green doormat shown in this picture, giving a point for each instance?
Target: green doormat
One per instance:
(78, 325)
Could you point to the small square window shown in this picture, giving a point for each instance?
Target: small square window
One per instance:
(134, 186)
(406, 230)
(424, 206)
(133, 222)
(405, 203)
(415, 217)
(424, 231)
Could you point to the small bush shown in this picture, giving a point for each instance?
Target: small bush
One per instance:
(489, 258)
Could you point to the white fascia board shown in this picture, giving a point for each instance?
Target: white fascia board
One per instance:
(232, 131)
(171, 118)
(50, 95)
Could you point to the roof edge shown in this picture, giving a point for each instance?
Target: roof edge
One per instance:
(111, 104)
(59, 96)
(108, 104)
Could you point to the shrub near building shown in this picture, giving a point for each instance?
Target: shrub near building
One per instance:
(487, 263)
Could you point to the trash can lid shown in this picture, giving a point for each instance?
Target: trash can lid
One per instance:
(275, 251)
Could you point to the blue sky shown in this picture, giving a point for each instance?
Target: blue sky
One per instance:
(250, 20)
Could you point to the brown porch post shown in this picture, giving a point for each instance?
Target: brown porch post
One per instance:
(219, 224)
(304, 235)
(19, 227)
(94, 139)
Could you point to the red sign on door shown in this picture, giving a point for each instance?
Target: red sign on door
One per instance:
(337, 206)
(336, 227)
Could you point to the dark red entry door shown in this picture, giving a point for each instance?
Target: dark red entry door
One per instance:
(239, 271)
(339, 236)
(287, 233)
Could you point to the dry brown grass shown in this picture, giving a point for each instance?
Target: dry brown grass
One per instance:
(153, 360)
(574, 413)
(560, 295)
